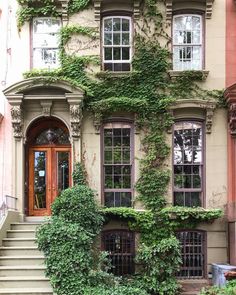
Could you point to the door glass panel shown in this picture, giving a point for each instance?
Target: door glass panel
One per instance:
(39, 180)
(62, 171)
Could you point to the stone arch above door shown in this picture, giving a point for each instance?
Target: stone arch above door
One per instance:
(30, 100)
(46, 95)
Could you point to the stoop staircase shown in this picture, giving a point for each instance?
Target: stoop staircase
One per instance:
(21, 264)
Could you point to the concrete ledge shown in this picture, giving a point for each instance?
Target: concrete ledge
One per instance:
(10, 217)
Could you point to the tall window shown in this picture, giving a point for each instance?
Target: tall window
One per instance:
(45, 42)
(117, 164)
(188, 163)
(117, 43)
(187, 42)
(192, 245)
(121, 248)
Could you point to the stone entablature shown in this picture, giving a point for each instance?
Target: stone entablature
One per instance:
(204, 5)
(25, 91)
(195, 108)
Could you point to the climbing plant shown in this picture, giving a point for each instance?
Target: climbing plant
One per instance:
(73, 264)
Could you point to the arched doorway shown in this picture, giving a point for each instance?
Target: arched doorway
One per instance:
(49, 164)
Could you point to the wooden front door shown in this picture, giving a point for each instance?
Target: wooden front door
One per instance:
(49, 174)
(49, 164)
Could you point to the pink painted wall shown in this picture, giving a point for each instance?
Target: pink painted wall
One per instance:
(230, 42)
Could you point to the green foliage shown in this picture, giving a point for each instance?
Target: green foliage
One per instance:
(77, 5)
(229, 289)
(160, 262)
(78, 174)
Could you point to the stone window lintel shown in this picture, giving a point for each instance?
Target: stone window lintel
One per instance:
(174, 74)
(206, 108)
(169, 8)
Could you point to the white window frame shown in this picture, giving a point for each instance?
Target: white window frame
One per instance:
(33, 47)
(185, 45)
(112, 61)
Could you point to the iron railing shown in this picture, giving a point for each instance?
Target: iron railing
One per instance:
(8, 203)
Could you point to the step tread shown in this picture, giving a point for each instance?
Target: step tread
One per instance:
(19, 239)
(18, 248)
(22, 256)
(24, 278)
(7, 267)
(26, 223)
(25, 290)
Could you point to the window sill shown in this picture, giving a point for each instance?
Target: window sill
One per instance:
(105, 74)
(195, 75)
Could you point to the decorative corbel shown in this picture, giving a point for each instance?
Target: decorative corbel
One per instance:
(97, 9)
(75, 119)
(232, 119)
(209, 120)
(17, 121)
(136, 9)
(64, 10)
(209, 4)
(46, 108)
(97, 122)
(169, 4)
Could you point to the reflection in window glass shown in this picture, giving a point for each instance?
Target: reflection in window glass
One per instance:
(45, 42)
(187, 42)
(188, 163)
(117, 165)
(62, 171)
(40, 180)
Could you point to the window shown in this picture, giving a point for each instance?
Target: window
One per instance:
(121, 248)
(192, 245)
(188, 164)
(187, 42)
(117, 164)
(116, 43)
(45, 42)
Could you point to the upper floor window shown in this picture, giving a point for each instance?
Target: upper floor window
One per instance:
(187, 42)
(45, 42)
(188, 164)
(117, 40)
(117, 164)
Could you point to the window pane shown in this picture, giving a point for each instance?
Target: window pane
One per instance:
(116, 24)
(108, 39)
(40, 188)
(108, 53)
(125, 24)
(116, 39)
(108, 25)
(125, 39)
(125, 53)
(117, 53)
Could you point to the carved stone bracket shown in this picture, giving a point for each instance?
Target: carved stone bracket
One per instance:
(169, 7)
(209, 119)
(97, 125)
(75, 103)
(17, 121)
(232, 119)
(46, 108)
(97, 9)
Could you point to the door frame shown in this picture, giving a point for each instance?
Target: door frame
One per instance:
(51, 176)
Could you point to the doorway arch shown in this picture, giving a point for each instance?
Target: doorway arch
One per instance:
(48, 172)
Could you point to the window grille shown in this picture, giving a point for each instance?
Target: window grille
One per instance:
(117, 43)
(187, 42)
(188, 163)
(117, 165)
(193, 254)
(121, 248)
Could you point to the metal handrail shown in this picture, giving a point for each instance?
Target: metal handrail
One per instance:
(8, 203)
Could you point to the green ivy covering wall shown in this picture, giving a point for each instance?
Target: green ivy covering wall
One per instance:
(147, 92)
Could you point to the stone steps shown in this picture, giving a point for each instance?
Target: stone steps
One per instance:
(21, 263)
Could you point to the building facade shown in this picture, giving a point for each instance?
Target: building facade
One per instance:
(46, 127)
